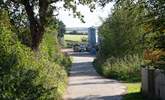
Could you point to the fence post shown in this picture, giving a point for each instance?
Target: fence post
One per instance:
(151, 82)
(144, 75)
(148, 81)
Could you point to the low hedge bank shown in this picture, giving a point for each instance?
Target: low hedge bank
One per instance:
(126, 68)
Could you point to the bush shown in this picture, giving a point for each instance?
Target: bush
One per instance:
(126, 68)
(54, 53)
(120, 42)
(84, 39)
(29, 75)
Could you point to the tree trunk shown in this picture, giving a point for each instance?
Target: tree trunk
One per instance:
(36, 24)
(36, 27)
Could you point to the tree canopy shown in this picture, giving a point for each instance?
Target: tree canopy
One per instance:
(35, 14)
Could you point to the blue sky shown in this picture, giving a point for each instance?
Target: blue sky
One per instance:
(92, 19)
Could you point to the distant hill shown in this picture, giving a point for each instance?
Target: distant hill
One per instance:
(77, 29)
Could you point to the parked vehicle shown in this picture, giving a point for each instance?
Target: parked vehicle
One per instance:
(82, 48)
(79, 48)
(76, 48)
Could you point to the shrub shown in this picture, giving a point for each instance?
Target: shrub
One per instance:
(29, 75)
(49, 45)
(84, 39)
(126, 68)
(120, 41)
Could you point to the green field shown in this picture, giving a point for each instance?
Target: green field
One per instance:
(75, 38)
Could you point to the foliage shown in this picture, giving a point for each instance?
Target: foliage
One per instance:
(74, 32)
(84, 39)
(25, 74)
(120, 53)
(35, 15)
(126, 68)
(133, 26)
(51, 42)
(120, 32)
(61, 29)
(153, 55)
(155, 15)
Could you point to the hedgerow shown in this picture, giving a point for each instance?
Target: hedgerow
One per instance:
(126, 68)
(27, 74)
(120, 50)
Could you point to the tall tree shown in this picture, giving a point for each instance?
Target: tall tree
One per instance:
(61, 29)
(38, 11)
(121, 32)
(156, 21)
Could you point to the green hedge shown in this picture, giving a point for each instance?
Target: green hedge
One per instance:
(54, 53)
(28, 75)
(126, 68)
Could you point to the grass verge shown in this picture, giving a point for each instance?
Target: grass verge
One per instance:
(133, 92)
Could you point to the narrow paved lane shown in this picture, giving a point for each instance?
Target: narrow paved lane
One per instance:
(86, 84)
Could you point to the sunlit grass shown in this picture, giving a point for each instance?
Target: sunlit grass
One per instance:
(133, 87)
(76, 38)
(133, 92)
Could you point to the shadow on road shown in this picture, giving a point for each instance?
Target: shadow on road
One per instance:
(81, 54)
(82, 69)
(92, 83)
(86, 84)
(96, 97)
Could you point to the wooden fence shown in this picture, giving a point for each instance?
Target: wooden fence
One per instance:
(153, 82)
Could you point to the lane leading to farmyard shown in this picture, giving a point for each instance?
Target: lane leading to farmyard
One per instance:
(86, 84)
